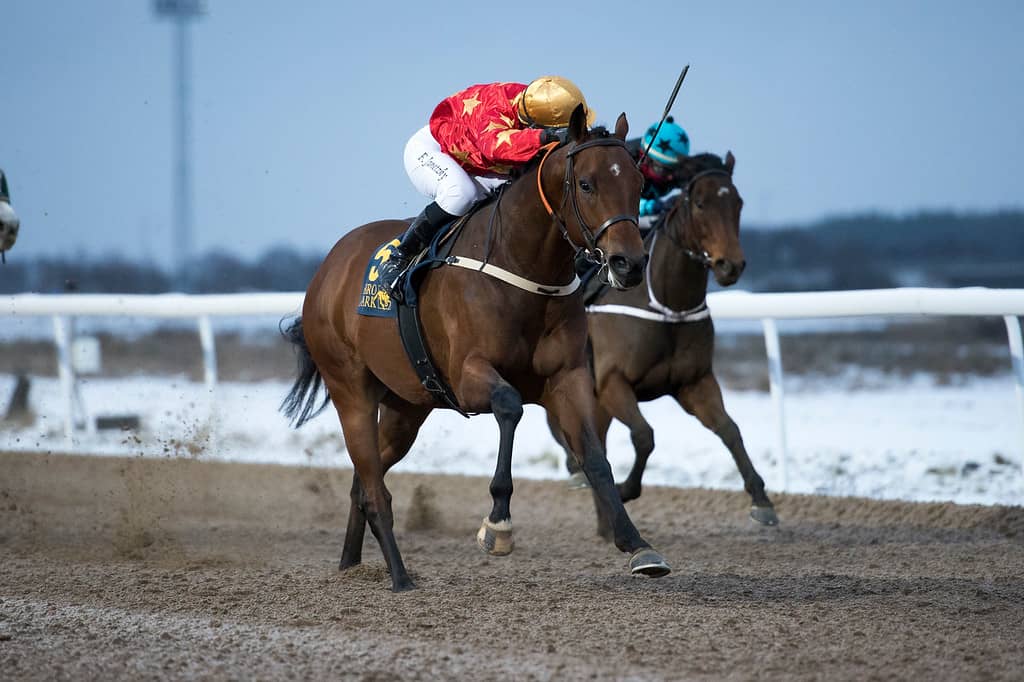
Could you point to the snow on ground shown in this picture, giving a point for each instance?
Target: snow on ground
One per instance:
(904, 440)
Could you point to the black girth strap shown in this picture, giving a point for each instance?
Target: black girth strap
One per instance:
(415, 345)
(409, 328)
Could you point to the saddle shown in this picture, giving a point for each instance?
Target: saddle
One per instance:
(376, 301)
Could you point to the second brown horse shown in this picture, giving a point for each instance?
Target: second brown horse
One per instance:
(658, 340)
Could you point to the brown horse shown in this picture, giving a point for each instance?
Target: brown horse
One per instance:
(658, 340)
(497, 346)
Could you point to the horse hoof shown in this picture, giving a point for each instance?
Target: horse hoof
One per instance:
(764, 515)
(578, 481)
(403, 585)
(648, 562)
(496, 538)
(349, 561)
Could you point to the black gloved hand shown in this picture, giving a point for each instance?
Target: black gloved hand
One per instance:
(549, 135)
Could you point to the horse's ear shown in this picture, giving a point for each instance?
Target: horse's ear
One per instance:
(621, 127)
(578, 123)
(730, 162)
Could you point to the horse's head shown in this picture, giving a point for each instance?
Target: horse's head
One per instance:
(599, 192)
(708, 215)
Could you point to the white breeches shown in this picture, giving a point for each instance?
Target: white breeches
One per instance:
(440, 177)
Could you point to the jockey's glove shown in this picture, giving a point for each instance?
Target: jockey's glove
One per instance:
(651, 206)
(549, 135)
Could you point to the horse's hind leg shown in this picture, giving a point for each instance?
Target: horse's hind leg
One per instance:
(618, 399)
(703, 399)
(352, 551)
(396, 432)
(359, 423)
(577, 479)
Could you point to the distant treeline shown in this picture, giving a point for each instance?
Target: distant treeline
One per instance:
(859, 252)
(878, 251)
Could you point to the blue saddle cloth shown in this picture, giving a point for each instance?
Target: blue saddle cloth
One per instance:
(374, 299)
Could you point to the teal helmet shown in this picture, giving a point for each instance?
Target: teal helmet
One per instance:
(671, 145)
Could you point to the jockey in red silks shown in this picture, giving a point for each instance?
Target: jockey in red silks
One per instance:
(473, 141)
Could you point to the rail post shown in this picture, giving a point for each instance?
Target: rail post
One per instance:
(209, 353)
(62, 341)
(775, 376)
(1017, 358)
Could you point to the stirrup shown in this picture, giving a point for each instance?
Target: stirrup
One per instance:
(394, 277)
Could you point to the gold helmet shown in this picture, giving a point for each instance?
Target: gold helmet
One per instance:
(549, 102)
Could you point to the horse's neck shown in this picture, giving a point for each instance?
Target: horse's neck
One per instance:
(523, 237)
(677, 281)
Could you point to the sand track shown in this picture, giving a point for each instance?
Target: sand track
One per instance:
(128, 568)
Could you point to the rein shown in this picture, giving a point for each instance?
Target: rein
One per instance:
(590, 236)
(658, 311)
(700, 257)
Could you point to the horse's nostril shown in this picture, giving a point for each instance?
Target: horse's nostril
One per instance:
(620, 264)
(723, 266)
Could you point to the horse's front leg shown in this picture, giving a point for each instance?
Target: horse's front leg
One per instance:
(570, 396)
(480, 379)
(703, 399)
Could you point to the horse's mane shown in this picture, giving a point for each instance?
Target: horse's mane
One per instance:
(698, 163)
(525, 169)
(520, 171)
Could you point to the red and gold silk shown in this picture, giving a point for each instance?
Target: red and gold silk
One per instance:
(480, 129)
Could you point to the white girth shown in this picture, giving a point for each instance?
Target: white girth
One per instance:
(659, 311)
(514, 279)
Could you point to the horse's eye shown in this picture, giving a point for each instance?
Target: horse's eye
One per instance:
(699, 205)
(586, 186)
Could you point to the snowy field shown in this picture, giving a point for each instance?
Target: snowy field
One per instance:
(906, 440)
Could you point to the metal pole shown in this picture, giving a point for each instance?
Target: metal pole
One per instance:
(775, 376)
(183, 189)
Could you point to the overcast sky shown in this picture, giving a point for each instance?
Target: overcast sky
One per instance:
(301, 110)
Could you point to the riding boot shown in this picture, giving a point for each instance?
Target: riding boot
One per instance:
(423, 229)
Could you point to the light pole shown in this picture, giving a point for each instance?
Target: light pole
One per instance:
(181, 12)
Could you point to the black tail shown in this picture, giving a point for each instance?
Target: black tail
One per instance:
(300, 403)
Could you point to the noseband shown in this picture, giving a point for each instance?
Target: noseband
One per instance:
(590, 237)
(701, 257)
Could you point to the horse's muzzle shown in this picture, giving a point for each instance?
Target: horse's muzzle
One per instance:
(625, 273)
(727, 272)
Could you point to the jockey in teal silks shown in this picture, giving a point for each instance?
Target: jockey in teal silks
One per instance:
(669, 149)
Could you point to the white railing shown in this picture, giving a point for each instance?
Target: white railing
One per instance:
(1007, 303)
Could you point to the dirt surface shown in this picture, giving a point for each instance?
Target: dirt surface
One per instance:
(145, 568)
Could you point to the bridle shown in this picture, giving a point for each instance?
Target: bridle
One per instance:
(590, 237)
(701, 257)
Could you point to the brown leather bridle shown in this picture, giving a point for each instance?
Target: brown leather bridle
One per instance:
(590, 237)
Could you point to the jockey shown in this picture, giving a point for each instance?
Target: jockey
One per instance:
(670, 148)
(473, 141)
(8, 218)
